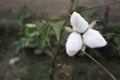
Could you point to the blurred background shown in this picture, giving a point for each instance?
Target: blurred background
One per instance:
(30, 31)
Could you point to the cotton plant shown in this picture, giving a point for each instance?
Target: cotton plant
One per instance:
(82, 35)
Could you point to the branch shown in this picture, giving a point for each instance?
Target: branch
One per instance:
(111, 34)
(50, 47)
(113, 3)
(99, 65)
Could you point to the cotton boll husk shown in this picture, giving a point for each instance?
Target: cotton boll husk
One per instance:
(93, 39)
(78, 22)
(73, 44)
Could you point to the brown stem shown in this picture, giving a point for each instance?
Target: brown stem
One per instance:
(50, 47)
(113, 3)
(51, 72)
(99, 65)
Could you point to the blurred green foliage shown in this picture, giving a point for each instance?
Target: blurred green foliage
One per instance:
(37, 34)
(113, 39)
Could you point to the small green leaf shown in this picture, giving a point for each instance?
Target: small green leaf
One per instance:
(30, 25)
(44, 32)
(56, 30)
(33, 34)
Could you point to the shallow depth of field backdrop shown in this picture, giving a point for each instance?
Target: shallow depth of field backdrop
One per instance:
(26, 51)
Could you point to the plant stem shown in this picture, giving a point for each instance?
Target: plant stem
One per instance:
(112, 34)
(99, 65)
(113, 3)
(52, 69)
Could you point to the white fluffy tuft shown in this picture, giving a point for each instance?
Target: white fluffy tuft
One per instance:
(78, 22)
(94, 39)
(73, 44)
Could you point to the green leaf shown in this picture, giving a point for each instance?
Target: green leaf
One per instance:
(33, 34)
(44, 32)
(30, 25)
(56, 30)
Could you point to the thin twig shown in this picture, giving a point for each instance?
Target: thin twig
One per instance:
(99, 65)
(106, 17)
(111, 34)
(113, 3)
(77, 3)
(50, 47)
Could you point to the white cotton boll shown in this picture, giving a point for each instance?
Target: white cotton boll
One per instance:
(93, 39)
(73, 44)
(78, 22)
